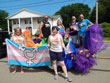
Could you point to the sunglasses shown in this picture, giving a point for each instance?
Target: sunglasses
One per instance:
(46, 18)
(81, 17)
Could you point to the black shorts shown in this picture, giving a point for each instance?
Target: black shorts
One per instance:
(57, 56)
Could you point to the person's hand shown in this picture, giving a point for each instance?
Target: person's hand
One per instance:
(5, 39)
(48, 46)
(71, 27)
(42, 35)
(66, 51)
(86, 28)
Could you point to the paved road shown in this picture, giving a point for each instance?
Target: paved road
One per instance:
(106, 52)
(98, 74)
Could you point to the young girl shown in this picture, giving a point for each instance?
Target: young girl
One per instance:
(18, 38)
(55, 43)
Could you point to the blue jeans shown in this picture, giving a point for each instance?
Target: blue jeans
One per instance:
(73, 39)
(82, 41)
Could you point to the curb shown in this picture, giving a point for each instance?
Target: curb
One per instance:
(107, 41)
(103, 57)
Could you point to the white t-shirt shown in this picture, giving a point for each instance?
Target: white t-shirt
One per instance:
(55, 43)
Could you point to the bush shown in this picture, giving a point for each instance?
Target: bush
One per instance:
(106, 29)
(105, 24)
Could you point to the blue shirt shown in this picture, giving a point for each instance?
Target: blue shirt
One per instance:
(82, 26)
(61, 29)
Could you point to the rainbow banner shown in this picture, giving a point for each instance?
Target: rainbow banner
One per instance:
(26, 56)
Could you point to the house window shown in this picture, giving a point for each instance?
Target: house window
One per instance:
(39, 20)
(27, 21)
(15, 22)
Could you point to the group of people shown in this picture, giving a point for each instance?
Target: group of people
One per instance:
(55, 37)
(75, 33)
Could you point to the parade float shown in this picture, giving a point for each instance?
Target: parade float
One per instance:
(81, 59)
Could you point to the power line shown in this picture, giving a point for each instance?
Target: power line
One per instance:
(9, 1)
(26, 4)
(40, 4)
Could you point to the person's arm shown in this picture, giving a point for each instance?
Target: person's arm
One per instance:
(86, 28)
(12, 38)
(37, 29)
(63, 26)
(89, 24)
(40, 27)
(24, 41)
(62, 43)
(48, 45)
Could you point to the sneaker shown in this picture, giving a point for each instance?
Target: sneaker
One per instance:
(56, 76)
(68, 79)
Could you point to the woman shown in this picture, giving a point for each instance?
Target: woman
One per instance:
(61, 28)
(18, 38)
(73, 35)
(55, 43)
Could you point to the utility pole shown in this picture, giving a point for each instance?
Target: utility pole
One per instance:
(97, 11)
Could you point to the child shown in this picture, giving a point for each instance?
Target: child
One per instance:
(37, 41)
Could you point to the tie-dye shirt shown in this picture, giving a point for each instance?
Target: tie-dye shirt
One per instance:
(82, 26)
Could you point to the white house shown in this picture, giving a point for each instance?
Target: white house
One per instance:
(27, 18)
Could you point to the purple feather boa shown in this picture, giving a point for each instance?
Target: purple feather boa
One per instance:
(84, 61)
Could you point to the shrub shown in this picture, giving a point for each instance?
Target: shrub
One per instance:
(106, 29)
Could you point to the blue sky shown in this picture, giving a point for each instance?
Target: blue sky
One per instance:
(48, 7)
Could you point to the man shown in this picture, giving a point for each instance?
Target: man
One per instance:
(45, 30)
(83, 26)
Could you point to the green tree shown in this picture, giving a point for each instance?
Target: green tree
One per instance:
(73, 10)
(103, 11)
(93, 15)
(3, 21)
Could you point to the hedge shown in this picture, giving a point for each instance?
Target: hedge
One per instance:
(106, 29)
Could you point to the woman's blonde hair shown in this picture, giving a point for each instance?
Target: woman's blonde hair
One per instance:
(17, 29)
(60, 21)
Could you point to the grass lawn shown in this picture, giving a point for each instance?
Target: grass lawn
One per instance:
(106, 38)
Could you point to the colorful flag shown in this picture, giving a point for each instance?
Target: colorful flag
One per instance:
(26, 56)
(70, 47)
